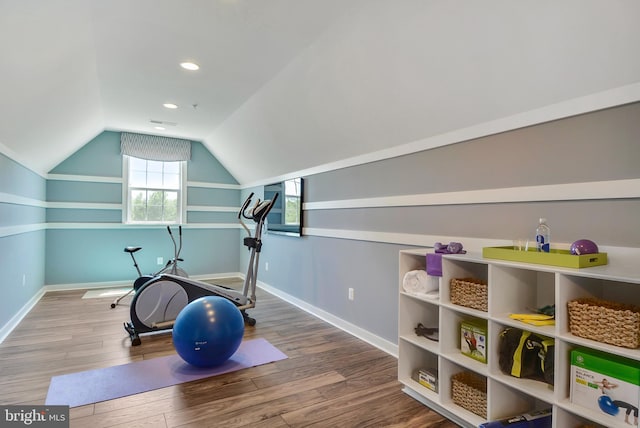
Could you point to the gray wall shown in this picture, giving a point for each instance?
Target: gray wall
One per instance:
(599, 146)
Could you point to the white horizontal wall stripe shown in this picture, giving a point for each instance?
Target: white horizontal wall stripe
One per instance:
(213, 185)
(212, 209)
(615, 189)
(63, 225)
(22, 228)
(84, 178)
(472, 244)
(9, 198)
(573, 107)
(84, 205)
(118, 180)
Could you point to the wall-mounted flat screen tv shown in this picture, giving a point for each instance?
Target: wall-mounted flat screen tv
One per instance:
(285, 217)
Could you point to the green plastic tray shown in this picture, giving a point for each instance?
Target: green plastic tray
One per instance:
(562, 258)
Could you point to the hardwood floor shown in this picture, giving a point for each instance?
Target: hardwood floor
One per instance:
(330, 378)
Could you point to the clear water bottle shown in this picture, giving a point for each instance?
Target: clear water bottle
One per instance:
(543, 236)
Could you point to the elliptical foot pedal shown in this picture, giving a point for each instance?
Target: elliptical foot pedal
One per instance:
(248, 320)
(135, 338)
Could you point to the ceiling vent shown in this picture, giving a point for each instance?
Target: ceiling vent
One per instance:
(162, 122)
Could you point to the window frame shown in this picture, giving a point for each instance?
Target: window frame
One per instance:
(126, 191)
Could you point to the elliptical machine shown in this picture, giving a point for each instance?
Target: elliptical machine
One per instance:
(171, 266)
(158, 302)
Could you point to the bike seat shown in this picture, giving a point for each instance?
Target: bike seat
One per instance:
(131, 249)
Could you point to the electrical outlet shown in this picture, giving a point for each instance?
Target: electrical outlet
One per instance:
(160, 260)
(24, 279)
(266, 266)
(351, 294)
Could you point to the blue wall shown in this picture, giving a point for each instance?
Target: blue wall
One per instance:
(22, 236)
(85, 239)
(67, 229)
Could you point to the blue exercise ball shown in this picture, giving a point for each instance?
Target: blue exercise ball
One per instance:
(208, 331)
(607, 406)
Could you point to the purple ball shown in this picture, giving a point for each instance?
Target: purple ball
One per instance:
(583, 246)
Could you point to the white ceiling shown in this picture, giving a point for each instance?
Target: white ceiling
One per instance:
(286, 85)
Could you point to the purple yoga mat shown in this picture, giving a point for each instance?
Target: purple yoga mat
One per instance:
(92, 386)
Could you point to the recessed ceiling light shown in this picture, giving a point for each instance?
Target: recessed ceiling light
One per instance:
(170, 105)
(191, 66)
(159, 128)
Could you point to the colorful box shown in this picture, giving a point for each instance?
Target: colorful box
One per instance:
(473, 339)
(607, 383)
(427, 378)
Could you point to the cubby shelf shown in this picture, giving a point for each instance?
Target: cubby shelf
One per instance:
(513, 287)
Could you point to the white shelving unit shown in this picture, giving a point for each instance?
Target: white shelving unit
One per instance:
(512, 288)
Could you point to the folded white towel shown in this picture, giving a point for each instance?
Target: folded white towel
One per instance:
(417, 282)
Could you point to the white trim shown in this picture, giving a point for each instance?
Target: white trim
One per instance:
(7, 328)
(9, 198)
(212, 226)
(84, 205)
(126, 204)
(121, 180)
(125, 283)
(360, 333)
(213, 185)
(573, 107)
(413, 239)
(614, 189)
(182, 191)
(84, 178)
(22, 228)
(34, 227)
(206, 208)
(63, 225)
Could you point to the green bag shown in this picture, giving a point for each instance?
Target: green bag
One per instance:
(525, 354)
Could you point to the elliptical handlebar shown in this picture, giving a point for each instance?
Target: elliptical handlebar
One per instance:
(176, 250)
(257, 213)
(244, 207)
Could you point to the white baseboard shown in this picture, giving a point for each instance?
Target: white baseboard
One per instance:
(117, 284)
(6, 329)
(360, 333)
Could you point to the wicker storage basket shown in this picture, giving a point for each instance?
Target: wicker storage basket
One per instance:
(608, 322)
(469, 391)
(469, 292)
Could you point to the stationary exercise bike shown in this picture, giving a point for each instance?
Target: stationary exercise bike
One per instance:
(171, 266)
(158, 302)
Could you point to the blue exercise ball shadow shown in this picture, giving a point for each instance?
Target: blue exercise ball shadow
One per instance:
(607, 406)
(208, 331)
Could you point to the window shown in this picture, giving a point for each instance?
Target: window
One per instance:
(154, 191)
(292, 201)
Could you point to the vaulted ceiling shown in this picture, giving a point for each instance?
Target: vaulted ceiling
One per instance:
(285, 85)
